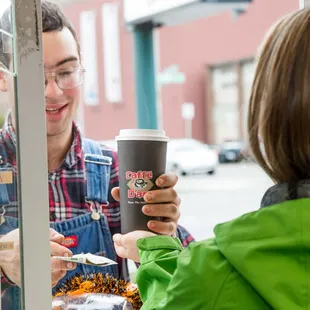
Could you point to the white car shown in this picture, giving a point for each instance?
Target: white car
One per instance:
(190, 156)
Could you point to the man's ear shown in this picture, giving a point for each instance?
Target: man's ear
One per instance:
(3, 81)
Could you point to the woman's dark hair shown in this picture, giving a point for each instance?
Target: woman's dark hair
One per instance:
(53, 19)
(279, 111)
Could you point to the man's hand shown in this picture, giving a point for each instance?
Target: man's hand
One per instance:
(126, 245)
(163, 202)
(10, 259)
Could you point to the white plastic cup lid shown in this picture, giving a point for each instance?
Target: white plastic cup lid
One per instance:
(142, 135)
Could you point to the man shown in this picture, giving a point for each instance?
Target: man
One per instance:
(82, 220)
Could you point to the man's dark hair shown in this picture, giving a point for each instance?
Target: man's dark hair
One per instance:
(53, 19)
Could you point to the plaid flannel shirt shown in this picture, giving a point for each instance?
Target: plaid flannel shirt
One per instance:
(67, 186)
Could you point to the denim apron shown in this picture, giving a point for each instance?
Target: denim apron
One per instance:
(90, 232)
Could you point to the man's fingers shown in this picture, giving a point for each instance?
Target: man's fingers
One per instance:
(162, 195)
(57, 276)
(115, 193)
(168, 179)
(163, 228)
(58, 265)
(167, 210)
(59, 250)
(55, 236)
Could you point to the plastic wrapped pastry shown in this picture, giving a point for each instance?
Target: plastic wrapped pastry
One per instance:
(100, 284)
(91, 302)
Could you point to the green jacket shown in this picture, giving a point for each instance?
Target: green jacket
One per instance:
(260, 260)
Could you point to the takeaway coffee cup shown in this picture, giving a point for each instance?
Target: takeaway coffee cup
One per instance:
(142, 159)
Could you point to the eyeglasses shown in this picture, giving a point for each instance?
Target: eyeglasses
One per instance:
(67, 78)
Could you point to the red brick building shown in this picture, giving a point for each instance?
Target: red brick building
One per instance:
(215, 54)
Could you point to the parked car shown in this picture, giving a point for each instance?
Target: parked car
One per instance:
(232, 151)
(190, 156)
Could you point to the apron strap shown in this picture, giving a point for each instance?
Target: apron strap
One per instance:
(98, 168)
(4, 195)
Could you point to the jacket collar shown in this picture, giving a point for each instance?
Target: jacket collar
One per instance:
(285, 191)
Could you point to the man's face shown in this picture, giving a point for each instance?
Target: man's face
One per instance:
(60, 54)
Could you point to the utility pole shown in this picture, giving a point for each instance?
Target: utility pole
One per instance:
(145, 76)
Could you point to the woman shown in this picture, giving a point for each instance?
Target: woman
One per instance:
(260, 260)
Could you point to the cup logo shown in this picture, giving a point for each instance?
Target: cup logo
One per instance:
(139, 183)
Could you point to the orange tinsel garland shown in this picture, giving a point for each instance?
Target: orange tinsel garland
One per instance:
(104, 284)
